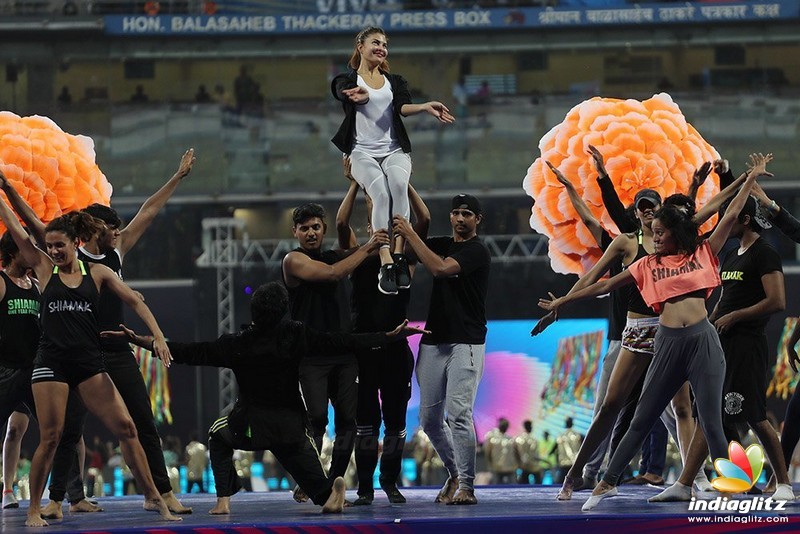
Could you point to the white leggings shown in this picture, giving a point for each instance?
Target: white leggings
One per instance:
(386, 182)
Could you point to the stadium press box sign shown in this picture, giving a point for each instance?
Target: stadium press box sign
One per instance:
(452, 19)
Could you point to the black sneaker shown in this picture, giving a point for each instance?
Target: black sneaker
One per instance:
(386, 279)
(395, 497)
(364, 500)
(402, 275)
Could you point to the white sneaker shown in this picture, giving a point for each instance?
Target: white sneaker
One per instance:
(9, 500)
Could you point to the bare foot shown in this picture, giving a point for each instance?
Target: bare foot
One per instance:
(445, 495)
(53, 510)
(161, 506)
(464, 496)
(35, 519)
(335, 503)
(223, 506)
(175, 506)
(565, 493)
(84, 506)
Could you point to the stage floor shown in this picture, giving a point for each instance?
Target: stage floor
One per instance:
(501, 508)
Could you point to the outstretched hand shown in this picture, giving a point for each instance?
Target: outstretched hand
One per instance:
(158, 347)
(186, 164)
(544, 322)
(597, 157)
(701, 174)
(403, 330)
(357, 95)
(551, 304)
(758, 164)
(559, 175)
(440, 111)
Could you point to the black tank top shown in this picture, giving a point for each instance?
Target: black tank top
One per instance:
(315, 303)
(371, 310)
(111, 310)
(69, 325)
(19, 325)
(636, 303)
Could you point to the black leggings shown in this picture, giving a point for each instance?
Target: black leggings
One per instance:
(791, 427)
(387, 372)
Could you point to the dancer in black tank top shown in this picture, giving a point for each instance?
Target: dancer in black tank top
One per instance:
(109, 246)
(19, 337)
(69, 352)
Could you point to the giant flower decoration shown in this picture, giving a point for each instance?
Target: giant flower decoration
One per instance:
(645, 144)
(55, 172)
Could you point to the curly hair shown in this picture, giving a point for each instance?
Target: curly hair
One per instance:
(269, 304)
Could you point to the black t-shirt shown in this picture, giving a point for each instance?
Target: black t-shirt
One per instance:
(19, 325)
(111, 309)
(741, 281)
(372, 311)
(618, 301)
(457, 311)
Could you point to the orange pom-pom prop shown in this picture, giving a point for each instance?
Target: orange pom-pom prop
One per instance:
(644, 144)
(55, 172)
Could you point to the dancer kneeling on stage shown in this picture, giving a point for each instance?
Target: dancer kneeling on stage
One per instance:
(675, 281)
(269, 413)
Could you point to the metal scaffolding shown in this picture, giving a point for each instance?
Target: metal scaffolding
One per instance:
(221, 250)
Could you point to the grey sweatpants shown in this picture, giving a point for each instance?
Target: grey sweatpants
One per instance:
(448, 376)
(692, 353)
(592, 467)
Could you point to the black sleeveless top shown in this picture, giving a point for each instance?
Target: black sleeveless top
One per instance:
(316, 304)
(371, 310)
(69, 324)
(636, 303)
(19, 325)
(110, 310)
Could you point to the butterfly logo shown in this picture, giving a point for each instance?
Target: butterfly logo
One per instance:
(741, 470)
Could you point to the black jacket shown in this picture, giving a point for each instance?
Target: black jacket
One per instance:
(345, 137)
(266, 364)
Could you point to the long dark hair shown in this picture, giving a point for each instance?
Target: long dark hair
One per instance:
(680, 225)
(355, 59)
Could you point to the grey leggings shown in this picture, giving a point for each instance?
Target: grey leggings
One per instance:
(386, 182)
(692, 353)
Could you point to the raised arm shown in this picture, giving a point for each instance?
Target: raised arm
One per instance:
(723, 229)
(130, 235)
(34, 257)
(716, 202)
(611, 201)
(580, 206)
(347, 238)
(422, 215)
(299, 267)
(437, 109)
(29, 218)
(699, 177)
(781, 219)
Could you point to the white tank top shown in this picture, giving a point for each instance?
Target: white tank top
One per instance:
(374, 132)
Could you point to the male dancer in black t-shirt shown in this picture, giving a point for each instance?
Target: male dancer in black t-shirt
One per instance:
(312, 277)
(451, 357)
(384, 371)
(109, 248)
(752, 290)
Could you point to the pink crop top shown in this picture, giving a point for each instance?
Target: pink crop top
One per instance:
(660, 278)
